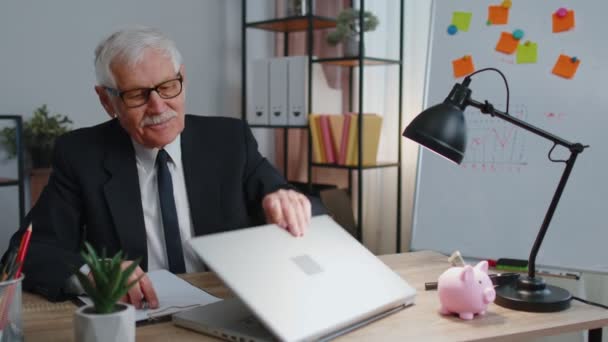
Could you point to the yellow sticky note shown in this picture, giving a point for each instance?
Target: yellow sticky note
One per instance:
(462, 20)
(527, 53)
(463, 66)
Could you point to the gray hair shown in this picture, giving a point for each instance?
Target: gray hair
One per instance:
(128, 45)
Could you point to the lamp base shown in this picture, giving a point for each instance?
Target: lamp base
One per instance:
(532, 294)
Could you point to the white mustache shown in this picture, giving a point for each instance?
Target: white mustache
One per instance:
(158, 119)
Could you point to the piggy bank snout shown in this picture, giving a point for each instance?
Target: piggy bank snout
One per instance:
(489, 294)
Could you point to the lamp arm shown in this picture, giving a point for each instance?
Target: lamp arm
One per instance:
(575, 149)
(549, 215)
(488, 108)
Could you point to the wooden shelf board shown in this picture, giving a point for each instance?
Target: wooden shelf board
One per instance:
(293, 24)
(8, 181)
(354, 61)
(351, 167)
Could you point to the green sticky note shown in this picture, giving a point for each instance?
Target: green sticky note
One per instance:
(512, 268)
(462, 20)
(527, 53)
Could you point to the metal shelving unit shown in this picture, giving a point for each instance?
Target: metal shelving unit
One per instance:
(286, 25)
(19, 182)
(309, 23)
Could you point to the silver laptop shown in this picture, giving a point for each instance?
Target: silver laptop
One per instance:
(313, 287)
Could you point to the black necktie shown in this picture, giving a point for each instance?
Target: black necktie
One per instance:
(173, 241)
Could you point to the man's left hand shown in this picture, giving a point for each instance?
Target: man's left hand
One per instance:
(289, 209)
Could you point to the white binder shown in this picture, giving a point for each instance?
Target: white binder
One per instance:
(278, 91)
(259, 108)
(298, 91)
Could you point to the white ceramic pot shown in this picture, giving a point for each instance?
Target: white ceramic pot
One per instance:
(351, 46)
(93, 327)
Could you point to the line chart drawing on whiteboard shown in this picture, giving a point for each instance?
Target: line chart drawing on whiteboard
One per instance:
(495, 145)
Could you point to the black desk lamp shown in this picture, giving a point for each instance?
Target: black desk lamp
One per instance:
(442, 129)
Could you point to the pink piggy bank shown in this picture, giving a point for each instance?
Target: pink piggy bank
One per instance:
(466, 290)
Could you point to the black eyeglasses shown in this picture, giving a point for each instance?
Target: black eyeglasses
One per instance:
(140, 96)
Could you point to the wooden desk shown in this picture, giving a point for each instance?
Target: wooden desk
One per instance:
(44, 321)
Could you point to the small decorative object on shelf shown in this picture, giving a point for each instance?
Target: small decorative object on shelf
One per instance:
(106, 319)
(296, 8)
(348, 29)
(39, 134)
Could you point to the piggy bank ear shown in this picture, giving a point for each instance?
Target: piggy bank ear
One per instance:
(467, 274)
(482, 266)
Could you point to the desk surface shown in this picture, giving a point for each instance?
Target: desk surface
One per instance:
(44, 321)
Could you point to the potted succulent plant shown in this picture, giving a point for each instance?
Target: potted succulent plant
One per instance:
(106, 319)
(348, 28)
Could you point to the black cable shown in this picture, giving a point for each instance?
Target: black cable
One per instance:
(507, 111)
(590, 303)
(503, 78)
(555, 160)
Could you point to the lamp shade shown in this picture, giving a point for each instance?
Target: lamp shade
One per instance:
(442, 129)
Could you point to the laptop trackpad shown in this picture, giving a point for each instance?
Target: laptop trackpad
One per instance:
(229, 319)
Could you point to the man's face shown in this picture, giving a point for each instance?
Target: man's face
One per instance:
(157, 122)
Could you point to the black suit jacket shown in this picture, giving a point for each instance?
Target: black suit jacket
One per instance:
(93, 194)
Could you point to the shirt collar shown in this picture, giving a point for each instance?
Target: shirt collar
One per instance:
(146, 157)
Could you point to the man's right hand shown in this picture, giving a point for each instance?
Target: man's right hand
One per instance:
(141, 291)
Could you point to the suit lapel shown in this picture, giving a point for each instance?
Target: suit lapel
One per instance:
(123, 195)
(201, 179)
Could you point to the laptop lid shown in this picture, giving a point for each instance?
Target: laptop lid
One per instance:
(307, 287)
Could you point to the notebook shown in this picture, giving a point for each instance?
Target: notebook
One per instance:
(174, 295)
(294, 289)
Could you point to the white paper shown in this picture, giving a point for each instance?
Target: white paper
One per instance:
(174, 295)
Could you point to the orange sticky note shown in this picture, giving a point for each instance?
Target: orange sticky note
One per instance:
(463, 66)
(507, 44)
(565, 66)
(565, 23)
(498, 15)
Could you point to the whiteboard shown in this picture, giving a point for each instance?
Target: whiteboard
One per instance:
(493, 205)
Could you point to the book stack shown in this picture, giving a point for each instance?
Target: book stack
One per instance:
(335, 138)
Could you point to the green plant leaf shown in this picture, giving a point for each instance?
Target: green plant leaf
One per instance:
(124, 277)
(109, 282)
(97, 268)
(39, 132)
(347, 24)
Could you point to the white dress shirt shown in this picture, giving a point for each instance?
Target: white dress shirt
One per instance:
(150, 202)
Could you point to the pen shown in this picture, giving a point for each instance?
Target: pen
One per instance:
(6, 270)
(25, 243)
(545, 273)
(497, 279)
(14, 273)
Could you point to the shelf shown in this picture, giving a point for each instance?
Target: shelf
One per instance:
(309, 24)
(18, 181)
(278, 126)
(354, 61)
(8, 182)
(293, 24)
(354, 167)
